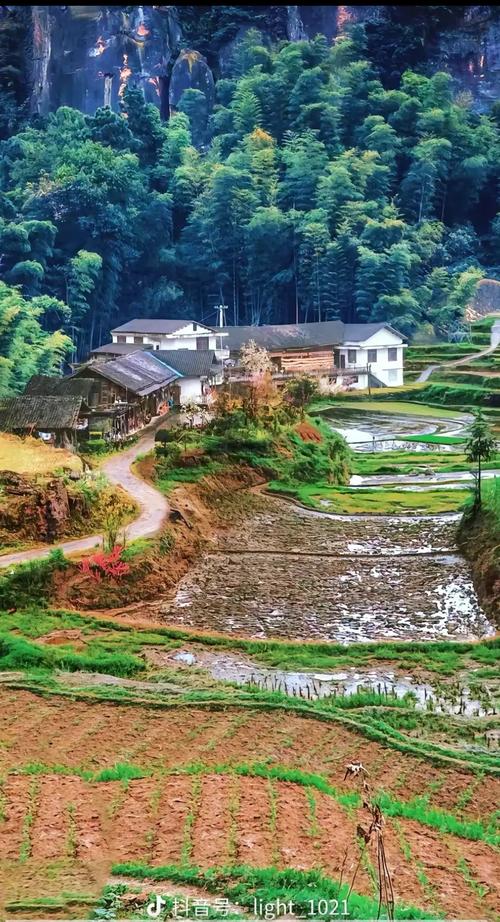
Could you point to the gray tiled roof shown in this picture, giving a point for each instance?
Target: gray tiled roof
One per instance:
(119, 348)
(37, 412)
(52, 386)
(190, 363)
(140, 372)
(359, 332)
(156, 325)
(301, 335)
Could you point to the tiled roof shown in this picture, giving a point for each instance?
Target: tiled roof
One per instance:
(119, 348)
(359, 332)
(44, 385)
(140, 372)
(51, 386)
(35, 412)
(157, 325)
(302, 335)
(190, 363)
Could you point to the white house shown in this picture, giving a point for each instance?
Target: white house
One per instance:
(199, 372)
(369, 352)
(171, 334)
(380, 353)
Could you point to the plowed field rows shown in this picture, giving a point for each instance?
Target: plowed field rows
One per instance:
(215, 819)
(57, 731)
(63, 832)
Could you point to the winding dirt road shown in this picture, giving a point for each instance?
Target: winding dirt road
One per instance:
(153, 505)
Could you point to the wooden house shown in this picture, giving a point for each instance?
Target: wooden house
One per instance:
(138, 382)
(363, 352)
(55, 419)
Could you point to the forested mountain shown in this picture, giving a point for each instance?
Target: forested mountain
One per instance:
(316, 187)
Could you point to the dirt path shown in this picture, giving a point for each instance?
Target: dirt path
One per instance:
(153, 505)
(494, 342)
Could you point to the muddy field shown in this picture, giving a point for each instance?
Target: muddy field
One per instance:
(62, 831)
(288, 572)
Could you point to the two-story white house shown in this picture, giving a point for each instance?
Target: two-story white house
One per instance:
(378, 348)
(171, 334)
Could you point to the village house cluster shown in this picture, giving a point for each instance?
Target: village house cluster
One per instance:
(153, 365)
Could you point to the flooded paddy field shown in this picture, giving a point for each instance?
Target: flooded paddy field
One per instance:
(291, 573)
(379, 431)
(437, 697)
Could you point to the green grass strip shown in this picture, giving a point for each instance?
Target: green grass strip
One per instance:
(243, 885)
(372, 728)
(443, 656)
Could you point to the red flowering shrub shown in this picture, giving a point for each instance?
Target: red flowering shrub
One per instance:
(102, 565)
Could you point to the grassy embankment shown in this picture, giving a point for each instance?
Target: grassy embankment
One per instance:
(479, 537)
(305, 470)
(115, 649)
(32, 456)
(238, 884)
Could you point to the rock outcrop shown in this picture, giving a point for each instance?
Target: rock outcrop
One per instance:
(485, 301)
(37, 512)
(85, 56)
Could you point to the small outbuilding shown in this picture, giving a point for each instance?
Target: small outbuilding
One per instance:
(54, 419)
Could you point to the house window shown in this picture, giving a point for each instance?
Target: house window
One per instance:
(121, 339)
(195, 327)
(372, 355)
(138, 339)
(392, 355)
(393, 376)
(202, 343)
(351, 356)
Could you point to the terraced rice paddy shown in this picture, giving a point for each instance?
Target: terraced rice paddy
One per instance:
(289, 572)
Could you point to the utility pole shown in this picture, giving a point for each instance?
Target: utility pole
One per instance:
(221, 309)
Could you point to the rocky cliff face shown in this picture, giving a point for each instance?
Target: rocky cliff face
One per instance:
(85, 56)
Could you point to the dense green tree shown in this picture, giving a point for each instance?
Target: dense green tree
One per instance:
(328, 182)
(25, 347)
(479, 447)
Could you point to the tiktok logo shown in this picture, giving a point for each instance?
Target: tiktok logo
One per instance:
(154, 909)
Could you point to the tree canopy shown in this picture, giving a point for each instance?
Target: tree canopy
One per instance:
(313, 192)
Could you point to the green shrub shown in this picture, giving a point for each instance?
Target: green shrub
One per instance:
(165, 435)
(122, 771)
(168, 454)
(167, 542)
(31, 581)
(95, 447)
